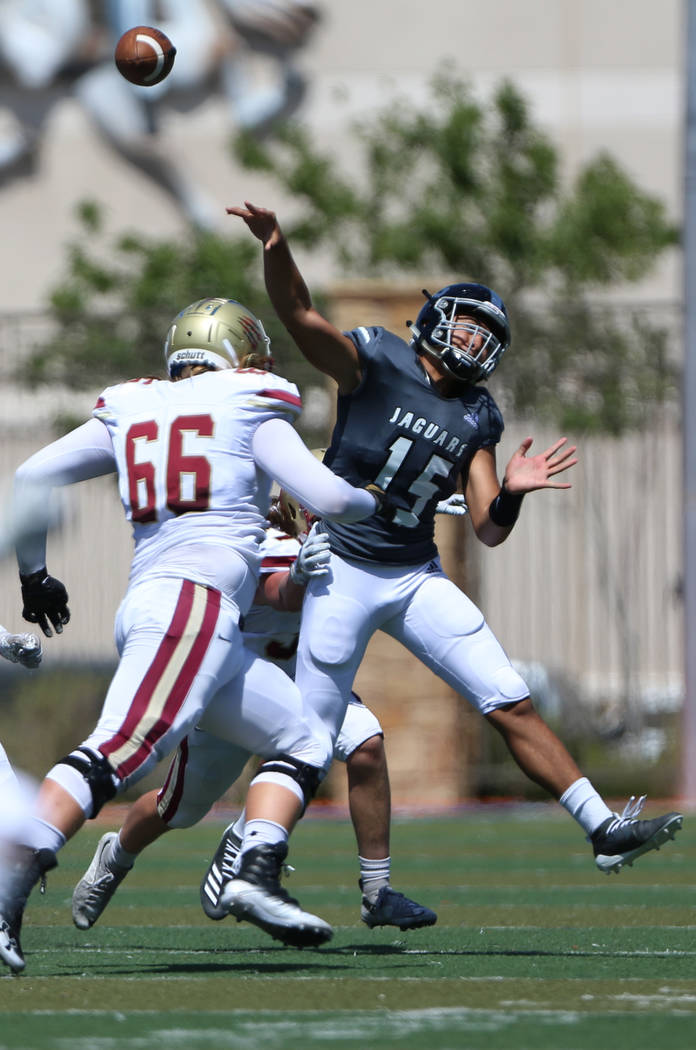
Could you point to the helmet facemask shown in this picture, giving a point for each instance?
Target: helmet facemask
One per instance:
(481, 324)
(290, 515)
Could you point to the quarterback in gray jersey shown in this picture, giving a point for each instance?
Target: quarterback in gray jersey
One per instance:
(413, 419)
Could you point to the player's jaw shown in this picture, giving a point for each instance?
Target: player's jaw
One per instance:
(472, 337)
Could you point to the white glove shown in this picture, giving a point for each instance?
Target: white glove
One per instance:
(314, 556)
(22, 649)
(455, 505)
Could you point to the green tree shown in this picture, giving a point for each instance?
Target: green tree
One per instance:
(454, 190)
(474, 192)
(119, 295)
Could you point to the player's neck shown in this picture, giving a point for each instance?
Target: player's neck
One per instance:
(445, 384)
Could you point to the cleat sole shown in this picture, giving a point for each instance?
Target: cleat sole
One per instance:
(246, 906)
(615, 862)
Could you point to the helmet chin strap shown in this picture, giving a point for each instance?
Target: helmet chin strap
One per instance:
(232, 353)
(438, 357)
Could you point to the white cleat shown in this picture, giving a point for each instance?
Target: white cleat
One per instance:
(97, 886)
(255, 895)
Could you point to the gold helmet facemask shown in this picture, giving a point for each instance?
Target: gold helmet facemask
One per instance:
(217, 334)
(293, 517)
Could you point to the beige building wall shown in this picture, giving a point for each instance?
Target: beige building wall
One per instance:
(598, 74)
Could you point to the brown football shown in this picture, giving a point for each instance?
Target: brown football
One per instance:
(144, 55)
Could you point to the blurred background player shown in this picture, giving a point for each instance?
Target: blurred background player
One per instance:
(277, 30)
(244, 51)
(219, 45)
(205, 767)
(22, 519)
(193, 455)
(415, 419)
(44, 45)
(24, 649)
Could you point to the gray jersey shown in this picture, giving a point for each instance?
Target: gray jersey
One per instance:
(397, 431)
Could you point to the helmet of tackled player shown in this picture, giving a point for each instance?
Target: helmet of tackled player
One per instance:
(290, 515)
(216, 333)
(465, 327)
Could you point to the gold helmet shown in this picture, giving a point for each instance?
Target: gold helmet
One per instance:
(216, 333)
(295, 519)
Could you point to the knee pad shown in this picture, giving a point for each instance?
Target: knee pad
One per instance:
(97, 773)
(308, 777)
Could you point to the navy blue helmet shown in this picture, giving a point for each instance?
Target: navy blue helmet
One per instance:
(478, 320)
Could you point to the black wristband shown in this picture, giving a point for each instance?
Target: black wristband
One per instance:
(33, 577)
(505, 508)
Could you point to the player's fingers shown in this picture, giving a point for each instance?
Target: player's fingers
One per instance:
(558, 467)
(563, 456)
(555, 447)
(42, 622)
(564, 453)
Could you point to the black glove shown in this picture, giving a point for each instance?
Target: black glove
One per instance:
(387, 505)
(45, 601)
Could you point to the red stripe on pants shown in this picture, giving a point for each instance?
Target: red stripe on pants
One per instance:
(180, 688)
(179, 765)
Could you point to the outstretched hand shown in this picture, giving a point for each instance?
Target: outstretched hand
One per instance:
(261, 221)
(526, 473)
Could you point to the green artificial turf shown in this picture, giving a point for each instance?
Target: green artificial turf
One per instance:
(533, 948)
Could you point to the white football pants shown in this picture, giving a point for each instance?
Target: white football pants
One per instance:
(181, 648)
(205, 766)
(420, 607)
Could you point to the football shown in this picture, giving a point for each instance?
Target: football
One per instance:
(144, 55)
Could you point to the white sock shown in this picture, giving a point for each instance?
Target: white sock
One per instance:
(42, 835)
(239, 825)
(374, 874)
(8, 779)
(262, 833)
(585, 805)
(118, 857)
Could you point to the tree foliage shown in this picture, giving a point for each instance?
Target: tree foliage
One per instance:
(464, 191)
(453, 190)
(114, 305)
(113, 308)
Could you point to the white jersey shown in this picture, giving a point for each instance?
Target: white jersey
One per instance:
(187, 476)
(272, 633)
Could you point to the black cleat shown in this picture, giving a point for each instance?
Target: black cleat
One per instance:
(393, 909)
(219, 873)
(621, 840)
